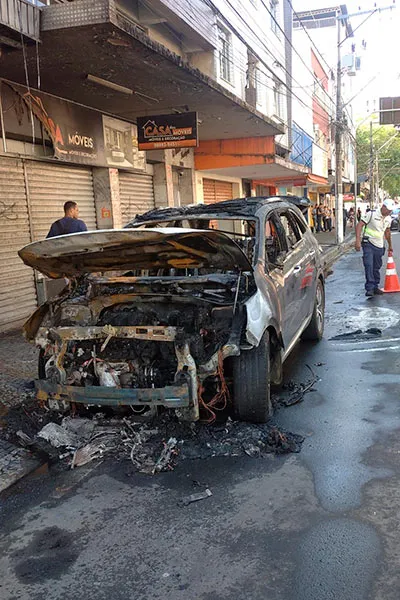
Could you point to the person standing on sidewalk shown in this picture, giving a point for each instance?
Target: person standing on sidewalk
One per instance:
(328, 219)
(371, 232)
(320, 216)
(69, 223)
(314, 217)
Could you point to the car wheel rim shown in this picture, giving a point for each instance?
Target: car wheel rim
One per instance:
(319, 305)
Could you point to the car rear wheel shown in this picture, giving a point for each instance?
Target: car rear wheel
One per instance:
(251, 381)
(315, 329)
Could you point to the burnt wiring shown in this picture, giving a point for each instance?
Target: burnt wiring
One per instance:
(220, 400)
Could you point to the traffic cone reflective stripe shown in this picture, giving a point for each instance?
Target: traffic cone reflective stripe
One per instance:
(392, 283)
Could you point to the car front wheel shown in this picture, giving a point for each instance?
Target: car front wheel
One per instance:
(251, 380)
(315, 329)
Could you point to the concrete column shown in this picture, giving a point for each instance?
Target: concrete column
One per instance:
(163, 185)
(187, 186)
(106, 196)
(176, 171)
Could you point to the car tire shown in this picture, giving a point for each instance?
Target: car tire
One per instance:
(315, 330)
(41, 365)
(251, 383)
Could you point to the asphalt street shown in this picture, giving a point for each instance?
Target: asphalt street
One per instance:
(319, 525)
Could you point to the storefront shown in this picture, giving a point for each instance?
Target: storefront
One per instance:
(216, 191)
(136, 193)
(43, 165)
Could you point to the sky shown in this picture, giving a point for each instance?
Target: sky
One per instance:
(380, 59)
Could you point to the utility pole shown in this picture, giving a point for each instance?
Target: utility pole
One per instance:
(339, 128)
(376, 179)
(338, 144)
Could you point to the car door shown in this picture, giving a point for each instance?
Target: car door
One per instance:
(298, 276)
(273, 282)
(309, 275)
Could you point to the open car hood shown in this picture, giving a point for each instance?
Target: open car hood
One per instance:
(130, 249)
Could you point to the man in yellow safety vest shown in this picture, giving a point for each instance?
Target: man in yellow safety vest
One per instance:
(371, 232)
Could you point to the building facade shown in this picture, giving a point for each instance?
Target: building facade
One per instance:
(315, 34)
(69, 107)
(77, 76)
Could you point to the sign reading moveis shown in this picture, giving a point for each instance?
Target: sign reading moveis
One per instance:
(76, 132)
(161, 132)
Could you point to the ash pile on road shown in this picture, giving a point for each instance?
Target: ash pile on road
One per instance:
(152, 447)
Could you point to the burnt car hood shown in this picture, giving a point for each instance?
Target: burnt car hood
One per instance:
(130, 249)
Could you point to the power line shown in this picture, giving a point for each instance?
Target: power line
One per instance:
(271, 75)
(293, 48)
(210, 3)
(308, 35)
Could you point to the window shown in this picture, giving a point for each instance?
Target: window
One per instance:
(225, 54)
(273, 244)
(273, 9)
(291, 230)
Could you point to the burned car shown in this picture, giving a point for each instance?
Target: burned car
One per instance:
(185, 308)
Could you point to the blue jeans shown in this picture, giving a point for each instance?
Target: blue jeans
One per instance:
(372, 259)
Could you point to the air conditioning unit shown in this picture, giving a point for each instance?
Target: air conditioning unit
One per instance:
(349, 63)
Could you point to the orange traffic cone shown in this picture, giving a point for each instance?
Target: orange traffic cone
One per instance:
(392, 283)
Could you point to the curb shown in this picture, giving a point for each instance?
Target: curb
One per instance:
(15, 463)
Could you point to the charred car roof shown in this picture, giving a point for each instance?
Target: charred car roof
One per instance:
(239, 207)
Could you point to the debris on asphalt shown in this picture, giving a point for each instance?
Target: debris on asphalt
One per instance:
(58, 437)
(169, 452)
(251, 450)
(338, 302)
(358, 334)
(349, 334)
(87, 453)
(374, 331)
(196, 497)
(24, 439)
(151, 445)
(297, 391)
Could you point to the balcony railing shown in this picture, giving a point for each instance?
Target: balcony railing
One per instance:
(19, 16)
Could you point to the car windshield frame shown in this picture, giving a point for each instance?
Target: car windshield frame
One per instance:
(217, 216)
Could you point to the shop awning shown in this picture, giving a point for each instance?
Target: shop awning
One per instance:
(317, 179)
(262, 169)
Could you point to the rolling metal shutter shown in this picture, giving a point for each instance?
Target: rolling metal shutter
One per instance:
(136, 195)
(49, 186)
(216, 191)
(17, 283)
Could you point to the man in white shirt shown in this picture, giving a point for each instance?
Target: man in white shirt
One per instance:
(371, 232)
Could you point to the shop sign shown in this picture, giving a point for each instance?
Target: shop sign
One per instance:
(76, 132)
(82, 135)
(161, 132)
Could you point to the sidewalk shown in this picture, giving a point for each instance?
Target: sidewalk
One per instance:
(327, 238)
(331, 252)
